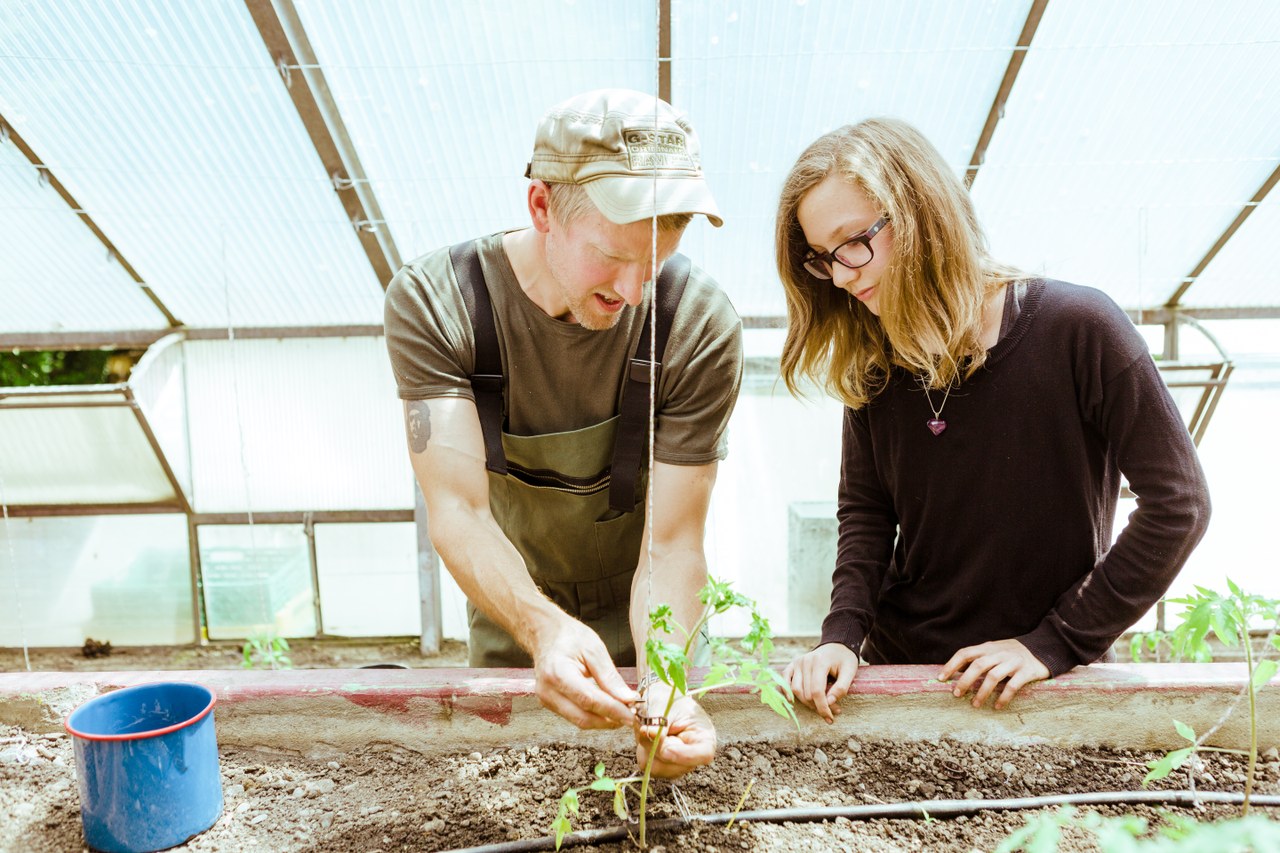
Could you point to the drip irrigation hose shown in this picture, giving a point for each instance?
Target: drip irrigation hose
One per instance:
(922, 809)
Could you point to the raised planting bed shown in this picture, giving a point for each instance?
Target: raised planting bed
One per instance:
(432, 760)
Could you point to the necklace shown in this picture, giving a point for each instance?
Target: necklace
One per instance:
(935, 424)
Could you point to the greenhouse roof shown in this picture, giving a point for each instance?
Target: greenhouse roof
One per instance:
(268, 163)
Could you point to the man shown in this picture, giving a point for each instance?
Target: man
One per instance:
(523, 359)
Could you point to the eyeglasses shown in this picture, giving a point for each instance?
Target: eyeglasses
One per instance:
(852, 253)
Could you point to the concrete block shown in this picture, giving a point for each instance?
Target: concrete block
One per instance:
(811, 557)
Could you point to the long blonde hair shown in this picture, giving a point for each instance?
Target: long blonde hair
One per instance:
(931, 293)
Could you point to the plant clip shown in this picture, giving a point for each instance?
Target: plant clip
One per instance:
(658, 721)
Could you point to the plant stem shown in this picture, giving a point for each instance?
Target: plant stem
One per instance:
(662, 730)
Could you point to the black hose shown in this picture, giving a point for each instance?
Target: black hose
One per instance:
(917, 809)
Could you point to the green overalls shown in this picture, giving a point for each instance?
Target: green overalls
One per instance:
(566, 500)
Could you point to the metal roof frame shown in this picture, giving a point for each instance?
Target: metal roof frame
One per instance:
(287, 43)
(7, 132)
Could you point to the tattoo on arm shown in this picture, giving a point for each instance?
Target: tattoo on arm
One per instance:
(418, 423)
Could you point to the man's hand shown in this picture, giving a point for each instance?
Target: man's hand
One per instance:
(690, 739)
(577, 680)
(808, 676)
(998, 661)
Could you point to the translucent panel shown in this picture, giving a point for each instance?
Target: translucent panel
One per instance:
(369, 582)
(55, 275)
(256, 579)
(170, 124)
(441, 99)
(1119, 161)
(319, 419)
(761, 80)
(120, 579)
(781, 451)
(1242, 468)
(1243, 273)
(75, 455)
(159, 387)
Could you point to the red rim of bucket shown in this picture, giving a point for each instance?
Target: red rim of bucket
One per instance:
(213, 700)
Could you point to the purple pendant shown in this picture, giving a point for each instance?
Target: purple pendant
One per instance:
(936, 425)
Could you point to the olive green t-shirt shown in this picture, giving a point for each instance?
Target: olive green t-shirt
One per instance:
(560, 376)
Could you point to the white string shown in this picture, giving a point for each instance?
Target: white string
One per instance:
(13, 565)
(653, 349)
(235, 402)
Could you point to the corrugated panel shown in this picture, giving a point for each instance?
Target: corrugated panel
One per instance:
(55, 275)
(1134, 135)
(441, 99)
(1244, 272)
(79, 456)
(159, 385)
(171, 126)
(123, 579)
(761, 80)
(369, 582)
(321, 424)
(256, 579)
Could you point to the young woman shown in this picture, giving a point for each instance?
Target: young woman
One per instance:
(989, 417)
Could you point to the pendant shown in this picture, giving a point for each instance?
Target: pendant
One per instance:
(936, 425)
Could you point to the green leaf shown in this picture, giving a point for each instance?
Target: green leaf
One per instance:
(604, 784)
(599, 769)
(1235, 590)
(1186, 731)
(1135, 648)
(620, 803)
(561, 828)
(1275, 641)
(1166, 765)
(1262, 673)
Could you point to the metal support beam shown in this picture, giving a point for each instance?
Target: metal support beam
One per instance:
(428, 579)
(309, 530)
(287, 43)
(7, 131)
(1199, 268)
(664, 50)
(142, 338)
(1006, 86)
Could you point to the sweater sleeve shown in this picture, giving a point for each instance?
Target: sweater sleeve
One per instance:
(867, 527)
(1125, 399)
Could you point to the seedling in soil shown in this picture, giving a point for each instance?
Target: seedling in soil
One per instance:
(266, 649)
(669, 662)
(1042, 833)
(1229, 617)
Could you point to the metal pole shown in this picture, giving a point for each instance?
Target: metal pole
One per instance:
(428, 578)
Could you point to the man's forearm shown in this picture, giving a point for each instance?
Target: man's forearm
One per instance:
(678, 576)
(493, 576)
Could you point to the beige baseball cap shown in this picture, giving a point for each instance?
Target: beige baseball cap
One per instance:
(635, 155)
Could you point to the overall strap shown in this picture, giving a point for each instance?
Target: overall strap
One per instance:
(632, 439)
(486, 381)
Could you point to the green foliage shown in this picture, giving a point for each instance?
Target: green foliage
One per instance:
(1129, 834)
(746, 664)
(57, 367)
(1172, 760)
(265, 649)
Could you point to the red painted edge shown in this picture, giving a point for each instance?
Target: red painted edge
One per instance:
(489, 694)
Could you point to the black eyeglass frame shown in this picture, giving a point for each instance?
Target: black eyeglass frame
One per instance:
(831, 257)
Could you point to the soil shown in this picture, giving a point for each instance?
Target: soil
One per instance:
(383, 798)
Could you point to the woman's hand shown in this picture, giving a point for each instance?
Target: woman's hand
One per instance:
(808, 676)
(998, 661)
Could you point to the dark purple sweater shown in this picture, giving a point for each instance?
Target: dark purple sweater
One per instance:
(1003, 522)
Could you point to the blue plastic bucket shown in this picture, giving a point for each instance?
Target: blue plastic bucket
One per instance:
(147, 762)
